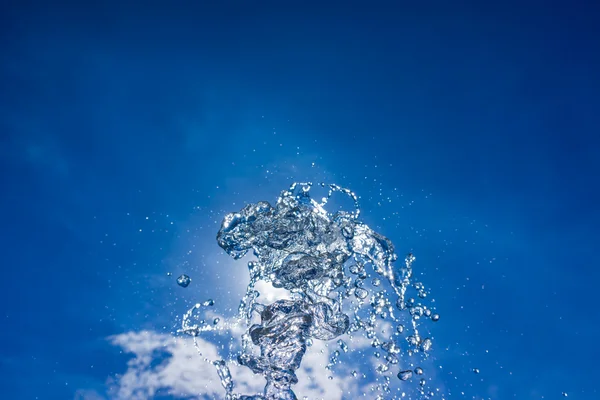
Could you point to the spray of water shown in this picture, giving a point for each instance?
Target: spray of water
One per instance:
(342, 279)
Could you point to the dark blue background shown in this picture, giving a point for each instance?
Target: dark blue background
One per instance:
(470, 131)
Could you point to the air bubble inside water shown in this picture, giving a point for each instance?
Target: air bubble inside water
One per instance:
(343, 282)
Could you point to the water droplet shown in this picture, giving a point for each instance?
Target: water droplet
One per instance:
(216, 321)
(361, 293)
(400, 328)
(400, 305)
(422, 382)
(343, 345)
(184, 281)
(376, 282)
(426, 345)
(435, 317)
(208, 303)
(414, 340)
(169, 273)
(565, 394)
(476, 370)
(419, 371)
(405, 375)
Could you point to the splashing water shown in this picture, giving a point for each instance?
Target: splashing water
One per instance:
(342, 280)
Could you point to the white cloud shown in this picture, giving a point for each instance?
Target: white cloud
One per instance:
(186, 373)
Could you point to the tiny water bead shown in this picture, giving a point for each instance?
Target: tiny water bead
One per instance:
(435, 317)
(209, 303)
(184, 280)
(476, 370)
(419, 371)
(426, 344)
(405, 375)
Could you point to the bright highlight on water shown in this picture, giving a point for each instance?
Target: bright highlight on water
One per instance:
(344, 285)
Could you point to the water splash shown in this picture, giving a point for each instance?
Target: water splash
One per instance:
(343, 281)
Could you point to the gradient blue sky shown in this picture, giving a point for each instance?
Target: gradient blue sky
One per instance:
(470, 131)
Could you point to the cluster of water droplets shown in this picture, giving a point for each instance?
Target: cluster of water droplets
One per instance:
(343, 281)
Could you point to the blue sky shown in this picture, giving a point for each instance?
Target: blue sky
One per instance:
(469, 131)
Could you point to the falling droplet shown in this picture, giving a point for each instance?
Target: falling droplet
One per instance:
(169, 273)
(405, 375)
(208, 303)
(565, 394)
(419, 371)
(426, 345)
(216, 321)
(343, 345)
(435, 317)
(400, 328)
(476, 370)
(184, 281)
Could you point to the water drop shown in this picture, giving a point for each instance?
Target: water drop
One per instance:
(476, 370)
(361, 293)
(208, 303)
(426, 344)
(376, 282)
(343, 345)
(184, 281)
(419, 371)
(400, 328)
(435, 317)
(414, 340)
(216, 321)
(400, 305)
(405, 375)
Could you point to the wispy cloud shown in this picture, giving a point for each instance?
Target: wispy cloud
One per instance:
(164, 364)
